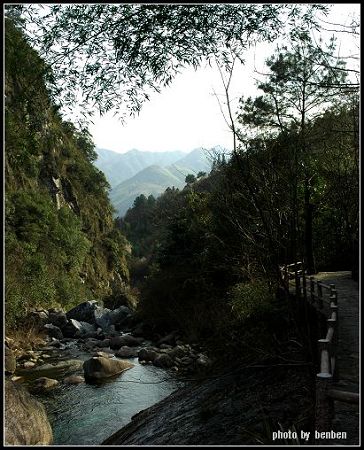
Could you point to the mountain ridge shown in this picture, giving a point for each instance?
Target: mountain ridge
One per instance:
(154, 179)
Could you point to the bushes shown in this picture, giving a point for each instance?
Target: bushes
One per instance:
(45, 250)
(250, 299)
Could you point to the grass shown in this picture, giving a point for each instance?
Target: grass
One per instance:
(26, 337)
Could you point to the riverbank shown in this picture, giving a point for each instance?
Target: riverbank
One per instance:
(241, 405)
(173, 393)
(84, 412)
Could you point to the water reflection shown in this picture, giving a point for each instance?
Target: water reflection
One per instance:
(89, 413)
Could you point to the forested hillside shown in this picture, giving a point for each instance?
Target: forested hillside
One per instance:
(119, 167)
(207, 257)
(61, 244)
(208, 311)
(149, 173)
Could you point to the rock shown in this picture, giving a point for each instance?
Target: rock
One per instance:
(29, 365)
(106, 318)
(74, 379)
(119, 341)
(103, 354)
(107, 350)
(164, 361)
(26, 421)
(9, 342)
(17, 379)
(103, 343)
(10, 361)
(54, 370)
(99, 368)
(84, 312)
(203, 361)
(147, 354)
(74, 328)
(44, 384)
(186, 361)
(53, 331)
(170, 339)
(103, 318)
(126, 352)
(37, 317)
(92, 334)
(58, 319)
(91, 343)
(55, 343)
(177, 352)
(165, 346)
(138, 331)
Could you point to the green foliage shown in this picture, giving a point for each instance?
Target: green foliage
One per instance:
(116, 54)
(250, 299)
(213, 252)
(190, 178)
(61, 246)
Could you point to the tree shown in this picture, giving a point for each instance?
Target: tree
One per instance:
(116, 54)
(302, 82)
(190, 178)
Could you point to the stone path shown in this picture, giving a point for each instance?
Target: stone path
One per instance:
(346, 415)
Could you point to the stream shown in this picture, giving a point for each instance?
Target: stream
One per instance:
(86, 414)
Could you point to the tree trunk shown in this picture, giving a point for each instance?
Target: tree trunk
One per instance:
(308, 244)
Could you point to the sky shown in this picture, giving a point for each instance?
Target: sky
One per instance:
(187, 115)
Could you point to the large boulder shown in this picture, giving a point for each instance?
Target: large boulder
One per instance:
(44, 384)
(84, 312)
(74, 379)
(99, 368)
(147, 354)
(26, 421)
(37, 317)
(57, 318)
(10, 361)
(53, 331)
(53, 370)
(105, 318)
(170, 339)
(164, 361)
(74, 328)
(102, 318)
(127, 352)
(126, 340)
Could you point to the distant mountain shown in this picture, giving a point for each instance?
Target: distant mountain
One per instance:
(159, 171)
(196, 161)
(155, 179)
(152, 180)
(118, 167)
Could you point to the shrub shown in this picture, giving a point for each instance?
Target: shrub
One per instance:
(250, 299)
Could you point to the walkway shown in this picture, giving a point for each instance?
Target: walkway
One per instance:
(346, 415)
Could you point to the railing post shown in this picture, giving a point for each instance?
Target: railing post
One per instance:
(324, 350)
(304, 283)
(319, 294)
(312, 288)
(297, 281)
(333, 294)
(333, 322)
(324, 410)
(286, 278)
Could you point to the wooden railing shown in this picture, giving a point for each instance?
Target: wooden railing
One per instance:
(324, 298)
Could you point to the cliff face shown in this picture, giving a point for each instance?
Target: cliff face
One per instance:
(61, 244)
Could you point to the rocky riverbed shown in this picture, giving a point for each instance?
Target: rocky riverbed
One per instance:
(92, 379)
(121, 383)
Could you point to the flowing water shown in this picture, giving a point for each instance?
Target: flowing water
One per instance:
(86, 414)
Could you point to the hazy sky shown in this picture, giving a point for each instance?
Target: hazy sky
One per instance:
(187, 115)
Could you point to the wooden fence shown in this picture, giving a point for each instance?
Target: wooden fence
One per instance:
(325, 299)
